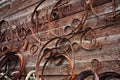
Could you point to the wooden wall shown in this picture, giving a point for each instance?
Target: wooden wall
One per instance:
(18, 12)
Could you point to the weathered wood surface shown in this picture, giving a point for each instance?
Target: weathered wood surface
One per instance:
(19, 11)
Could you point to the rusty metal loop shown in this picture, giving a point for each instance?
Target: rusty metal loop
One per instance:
(33, 22)
(93, 46)
(48, 42)
(49, 50)
(22, 33)
(55, 11)
(32, 17)
(109, 75)
(91, 6)
(75, 22)
(5, 49)
(38, 62)
(35, 37)
(22, 65)
(54, 15)
(84, 74)
(70, 63)
(75, 46)
(40, 54)
(80, 26)
(32, 51)
(68, 30)
(83, 19)
(3, 31)
(63, 49)
(60, 42)
(95, 63)
(10, 56)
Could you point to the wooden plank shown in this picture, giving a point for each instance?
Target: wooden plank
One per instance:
(25, 5)
(72, 7)
(79, 67)
(19, 4)
(5, 8)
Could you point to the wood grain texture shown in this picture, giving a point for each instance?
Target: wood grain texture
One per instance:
(19, 12)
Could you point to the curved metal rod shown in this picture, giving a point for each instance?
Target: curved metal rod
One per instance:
(49, 17)
(25, 34)
(84, 18)
(40, 58)
(29, 74)
(78, 30)
(22, 65)
(88, 29)
(32, 47)
(69, 48)
(39, 62)
(69, 60)
(84, 74)
(65, 39)
(40, 53)
(32, 20)
(2, 35)
(37, 66)
(9, 56)
(91, 6)
(25, 45)
(109, 75)
(35, 37)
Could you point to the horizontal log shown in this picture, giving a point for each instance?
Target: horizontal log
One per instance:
(79, 67)
(24, 5)
(75, 5)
